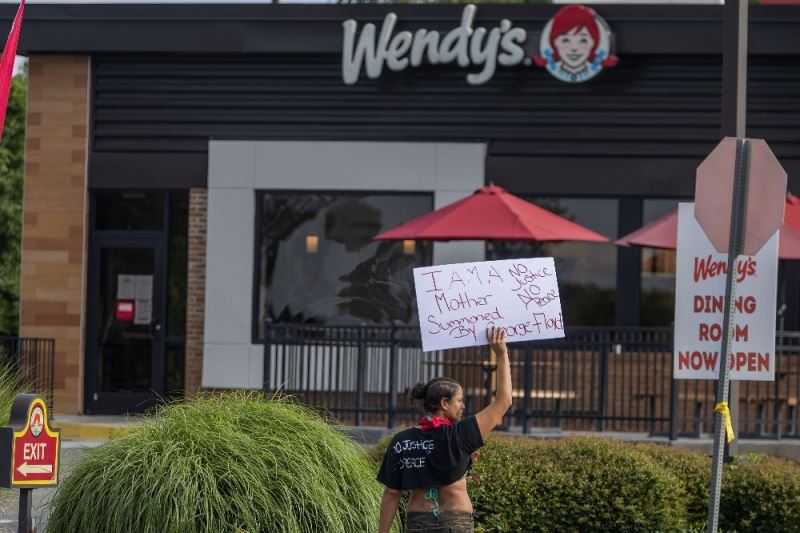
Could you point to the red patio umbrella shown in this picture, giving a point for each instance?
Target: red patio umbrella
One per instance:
(663, 233)
(492, 213)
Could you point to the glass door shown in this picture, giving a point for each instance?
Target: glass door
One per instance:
(125, 369)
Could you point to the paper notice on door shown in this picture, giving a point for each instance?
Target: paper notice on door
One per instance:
(144, 300)
(126, 287)
(143, 312)
(144, 287)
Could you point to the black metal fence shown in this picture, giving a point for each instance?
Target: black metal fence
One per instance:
(34, 362)
(609, 379)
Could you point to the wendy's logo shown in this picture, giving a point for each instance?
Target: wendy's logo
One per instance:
(576, 45)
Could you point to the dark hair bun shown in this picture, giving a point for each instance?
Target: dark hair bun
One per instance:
(418, 391)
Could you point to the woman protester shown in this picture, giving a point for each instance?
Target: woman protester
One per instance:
(431, 459)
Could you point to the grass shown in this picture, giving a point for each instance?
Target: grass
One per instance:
(9, 388)
(222, 463)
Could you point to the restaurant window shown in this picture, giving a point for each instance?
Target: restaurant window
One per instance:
(586, 271)
(658, 272)
(317, 262)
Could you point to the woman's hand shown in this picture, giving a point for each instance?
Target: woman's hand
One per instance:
(497, 340)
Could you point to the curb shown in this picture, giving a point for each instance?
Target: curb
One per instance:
(73, 431)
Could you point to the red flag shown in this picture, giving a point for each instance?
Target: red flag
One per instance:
(7, 64)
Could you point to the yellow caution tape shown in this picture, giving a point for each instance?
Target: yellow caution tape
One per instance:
(722, 408)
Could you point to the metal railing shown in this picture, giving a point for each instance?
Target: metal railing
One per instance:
(34, 362)
(595, 379)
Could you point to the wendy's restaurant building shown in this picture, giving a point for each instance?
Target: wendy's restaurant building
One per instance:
(194, 170)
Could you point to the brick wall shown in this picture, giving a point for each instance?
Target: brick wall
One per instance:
(195, 289)
(53, 272)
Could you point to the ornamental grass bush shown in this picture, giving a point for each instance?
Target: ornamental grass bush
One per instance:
(10, 386)
(232, 463)
(597, 484)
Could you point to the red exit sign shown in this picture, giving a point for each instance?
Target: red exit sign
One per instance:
(29, 448)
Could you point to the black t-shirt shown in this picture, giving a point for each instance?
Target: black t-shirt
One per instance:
(417, 460)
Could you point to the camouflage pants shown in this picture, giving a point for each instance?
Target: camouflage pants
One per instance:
(447, 522)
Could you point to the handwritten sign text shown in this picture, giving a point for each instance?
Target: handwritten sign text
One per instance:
(458, 302)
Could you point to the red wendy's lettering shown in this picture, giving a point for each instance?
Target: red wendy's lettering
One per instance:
(713, 332)
(708, 268)
(697, 360)
(715, 304)
(702, 360)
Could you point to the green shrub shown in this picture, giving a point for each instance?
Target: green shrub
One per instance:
(692, 470)
(761, 493)
(596, 484)
(579, 484)
(219, 464)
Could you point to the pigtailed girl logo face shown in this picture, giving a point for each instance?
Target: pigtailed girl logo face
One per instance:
(37, 421)
(575, 45)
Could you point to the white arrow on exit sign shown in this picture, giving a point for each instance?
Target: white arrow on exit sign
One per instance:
(26, 469)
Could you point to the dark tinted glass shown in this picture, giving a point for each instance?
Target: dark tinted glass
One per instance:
(318, 263)
(587, 272)
(129, 210)
(658, 272)
(178, 260)
(174, 361)
(125, 347)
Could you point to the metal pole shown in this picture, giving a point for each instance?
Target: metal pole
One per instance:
(392, 376)
(266, 371)
(738, 213)
(734, 117)
(24, 524)
(601, 420)
(361, 362)
(673, 403)
(527, 386)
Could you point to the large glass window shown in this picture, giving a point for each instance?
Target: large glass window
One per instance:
(317, 262)
(658, 272)
(586, 271)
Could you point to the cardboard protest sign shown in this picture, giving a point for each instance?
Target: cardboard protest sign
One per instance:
(458, 302)
(699, 306)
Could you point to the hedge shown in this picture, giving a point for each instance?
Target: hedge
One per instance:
(599, 484)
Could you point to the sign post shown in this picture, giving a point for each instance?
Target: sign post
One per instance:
(29, 452)
(753, 219)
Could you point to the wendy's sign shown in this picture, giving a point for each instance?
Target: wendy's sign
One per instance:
(700, 305)
(575, 46)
